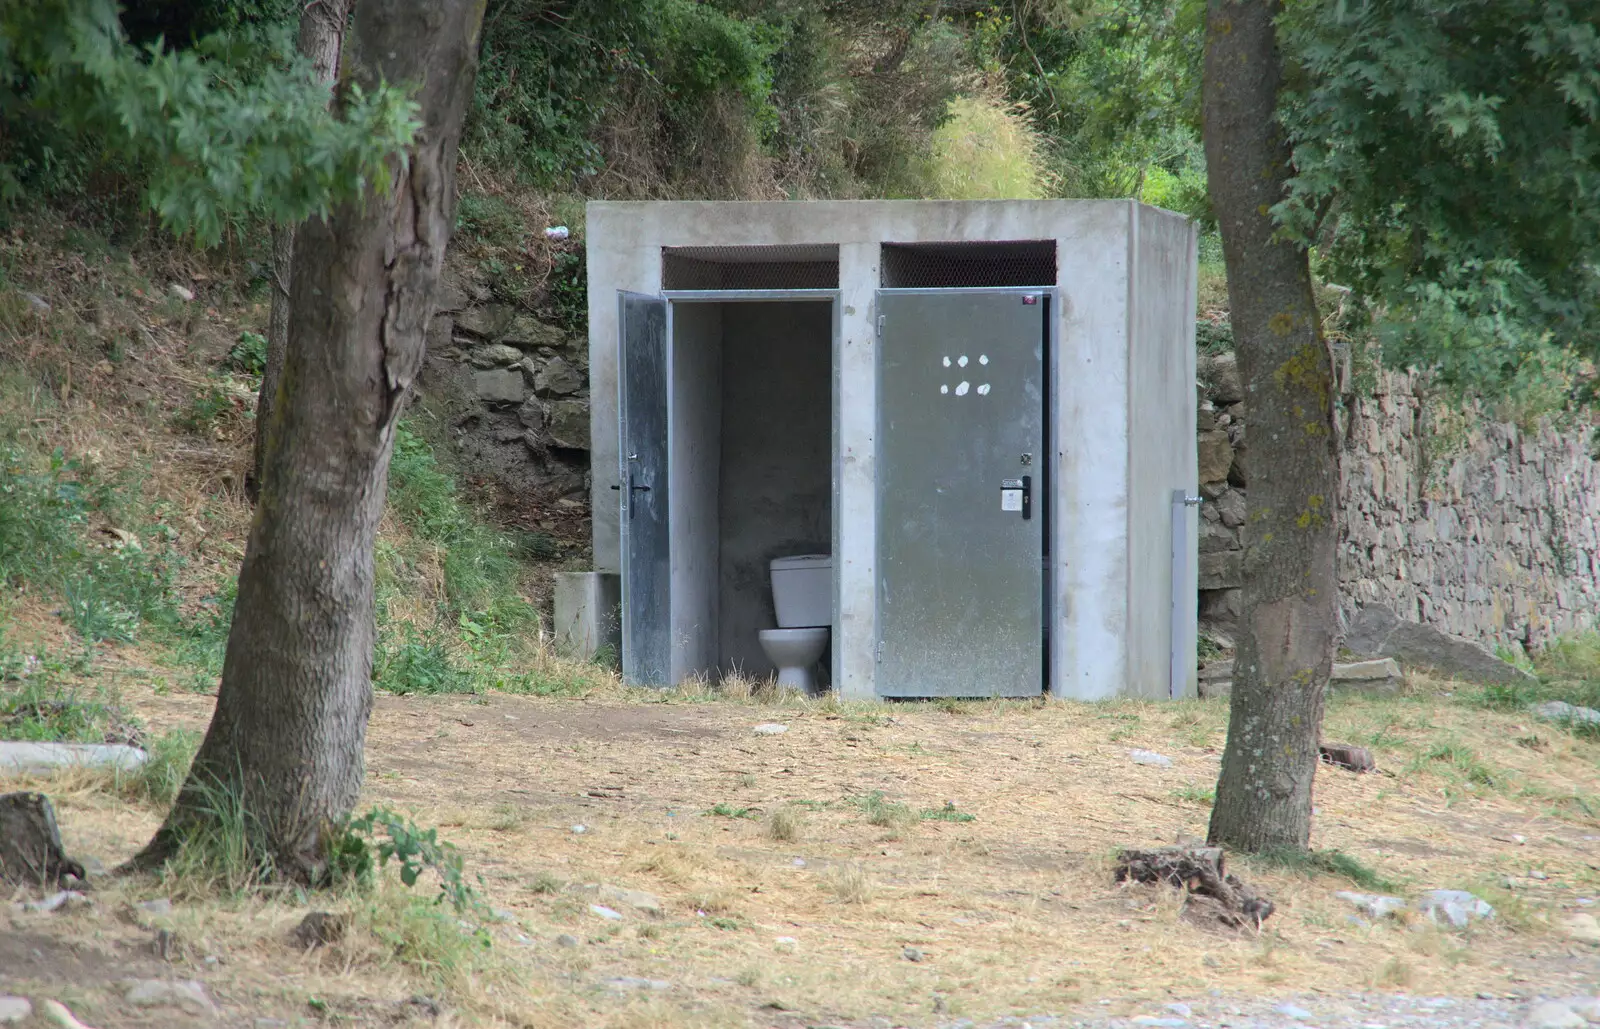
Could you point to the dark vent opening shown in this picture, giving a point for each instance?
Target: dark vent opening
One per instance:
(957, 265)
(795, 266)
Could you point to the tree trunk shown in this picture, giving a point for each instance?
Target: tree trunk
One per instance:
(287, 735)
(1290, 621)
(322, 24)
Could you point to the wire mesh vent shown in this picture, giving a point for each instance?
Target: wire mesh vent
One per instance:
(955, 265)
(787, 266)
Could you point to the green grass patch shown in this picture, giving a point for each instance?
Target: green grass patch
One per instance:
(948, 813)
(725, 810)
(1332, 862)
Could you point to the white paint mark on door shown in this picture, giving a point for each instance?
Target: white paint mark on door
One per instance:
(961, 390)
(983, 389)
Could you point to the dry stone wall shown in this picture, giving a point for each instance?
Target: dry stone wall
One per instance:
(515, 390)
(1454, 519)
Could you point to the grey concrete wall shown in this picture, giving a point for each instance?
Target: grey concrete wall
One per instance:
(1091, 543)
(695, 412)
(1161, 402)
(777, 463)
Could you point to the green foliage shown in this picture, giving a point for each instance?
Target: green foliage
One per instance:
(369, 842)
(410, 660)
(725, 810)
(249, 354)
(207, 405)
(1477, 249)
(550, 74)
(233, 126)
(107, 589)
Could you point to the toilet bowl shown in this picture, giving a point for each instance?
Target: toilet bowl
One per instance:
(795, 652)
(802, 588)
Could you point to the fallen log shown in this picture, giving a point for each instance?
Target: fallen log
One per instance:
(1200, 872)
(30, 844)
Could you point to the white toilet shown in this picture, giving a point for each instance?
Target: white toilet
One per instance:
(802, 595)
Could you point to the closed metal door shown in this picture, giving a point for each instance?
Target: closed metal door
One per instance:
(646, 541)
(960, 453)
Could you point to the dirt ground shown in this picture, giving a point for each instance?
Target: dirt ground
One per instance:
(921, 920)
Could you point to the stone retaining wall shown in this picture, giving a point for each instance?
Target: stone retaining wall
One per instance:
(1456, 520)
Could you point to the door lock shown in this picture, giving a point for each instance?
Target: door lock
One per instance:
(1017, 495)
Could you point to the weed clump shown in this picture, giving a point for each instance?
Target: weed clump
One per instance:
(786, 823)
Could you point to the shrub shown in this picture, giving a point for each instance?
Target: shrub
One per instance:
(987, 150)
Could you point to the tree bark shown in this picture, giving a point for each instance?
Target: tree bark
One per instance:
(1290, 622)
(30, 844)
(287, 736)
(322, 25)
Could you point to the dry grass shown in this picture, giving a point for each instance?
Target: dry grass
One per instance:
(1014, 911)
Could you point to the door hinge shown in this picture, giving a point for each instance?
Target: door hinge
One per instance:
(880, 326)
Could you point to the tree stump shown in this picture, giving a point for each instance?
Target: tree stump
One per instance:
(30, 844)
(1200, 872)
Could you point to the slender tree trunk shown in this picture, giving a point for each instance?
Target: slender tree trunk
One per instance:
(322, 24)
(291, 717)
(1290, 622)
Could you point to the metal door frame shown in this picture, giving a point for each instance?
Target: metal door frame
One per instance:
(1053, 662)
(672, 297)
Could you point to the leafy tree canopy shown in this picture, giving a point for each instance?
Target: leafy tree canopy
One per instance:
(234, 125)
(1447, 159)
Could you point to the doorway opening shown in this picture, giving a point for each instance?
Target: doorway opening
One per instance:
(750, 430)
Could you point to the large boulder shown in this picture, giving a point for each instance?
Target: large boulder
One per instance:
(1376, 631)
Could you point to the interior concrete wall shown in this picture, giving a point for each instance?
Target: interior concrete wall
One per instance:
(695, 419)
(777, 464)
(1161, 454)
(1091, 537)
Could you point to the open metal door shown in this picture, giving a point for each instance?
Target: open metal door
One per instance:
(960, 459)
(646, 547)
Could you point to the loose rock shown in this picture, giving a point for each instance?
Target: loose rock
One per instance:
(1456, 907)
(1348, 757)
(911, 954)
(770, 729)
(1381, 674)
(1150, 757)
(566, 940)
(633, 982)
(1293, 1011)
(639, 900)
(608, 914)
(14, 1009)
(1561, 711)
(1553, 1014)
(1582, 927)
(1374, 905)
(186, 994)
(160, 906)
(1376, 631)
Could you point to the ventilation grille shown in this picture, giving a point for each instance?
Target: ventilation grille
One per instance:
(956, 265)
(795, 266)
